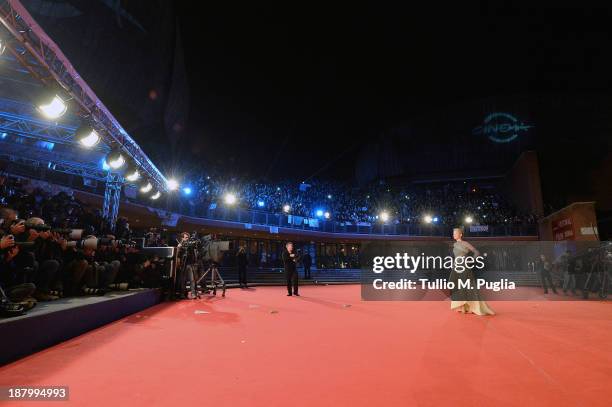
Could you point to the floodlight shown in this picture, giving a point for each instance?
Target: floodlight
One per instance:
(87, 136)
(52, 106)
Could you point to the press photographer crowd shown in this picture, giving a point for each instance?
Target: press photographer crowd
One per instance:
(587, 271)
(53, 246)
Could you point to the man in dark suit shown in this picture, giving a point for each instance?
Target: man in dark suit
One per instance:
(290, 260)
(543, 267)
(307, 262)
(241, 263)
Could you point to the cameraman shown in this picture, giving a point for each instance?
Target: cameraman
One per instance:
(186, 278)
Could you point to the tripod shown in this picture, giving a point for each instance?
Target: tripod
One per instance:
(214, 279)
(597, 275)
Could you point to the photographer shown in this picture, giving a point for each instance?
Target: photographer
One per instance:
(569, 277)
(11, 279)
(565, 267)
(103, 269)
(76, 265)
(46, 256)
(543, 267)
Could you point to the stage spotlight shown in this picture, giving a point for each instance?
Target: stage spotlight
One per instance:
(172, 184)
(87, 136)
(156, 195)
(132, 174)
(435, 219)
(428, 219)
(468, 219)
(146, 187)
(187, 190)
(286, 208)
(229, 198)
(319, 213)
(384, 216)
(329, 197)
(52, 106)
(261, 204)
(326, 215)
(115, 159)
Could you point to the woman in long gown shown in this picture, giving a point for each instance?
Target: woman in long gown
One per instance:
(466, 300)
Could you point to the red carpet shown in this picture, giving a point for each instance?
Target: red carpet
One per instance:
(258, 347)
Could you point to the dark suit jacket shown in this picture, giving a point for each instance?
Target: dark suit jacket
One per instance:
(289, 263)
(241, 260)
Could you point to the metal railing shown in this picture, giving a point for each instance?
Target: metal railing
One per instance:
(247, 216)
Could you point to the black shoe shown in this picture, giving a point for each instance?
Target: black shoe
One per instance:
(289, 295)
(296, 294)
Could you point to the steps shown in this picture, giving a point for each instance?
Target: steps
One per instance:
(277, 276)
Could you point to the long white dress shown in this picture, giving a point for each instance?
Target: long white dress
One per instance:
(466, 300)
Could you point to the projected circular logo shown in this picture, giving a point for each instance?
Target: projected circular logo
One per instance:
(501, 127)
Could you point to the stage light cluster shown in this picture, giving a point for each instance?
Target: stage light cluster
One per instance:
(53, 105)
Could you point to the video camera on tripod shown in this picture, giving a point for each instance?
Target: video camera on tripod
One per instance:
(213, 250)
(197, 254)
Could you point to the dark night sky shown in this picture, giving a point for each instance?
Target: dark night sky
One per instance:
(312, 82)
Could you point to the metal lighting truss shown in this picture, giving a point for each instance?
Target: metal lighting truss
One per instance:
(33, 53)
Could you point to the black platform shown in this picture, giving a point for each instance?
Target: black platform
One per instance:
(52, 322)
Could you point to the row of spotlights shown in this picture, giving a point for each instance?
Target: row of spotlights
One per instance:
(52, 106)
(146, 187)
(384, 216)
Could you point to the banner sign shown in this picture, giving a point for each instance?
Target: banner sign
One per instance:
(563, 229)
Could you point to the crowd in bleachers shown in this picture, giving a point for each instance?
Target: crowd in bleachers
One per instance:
(446, 203)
